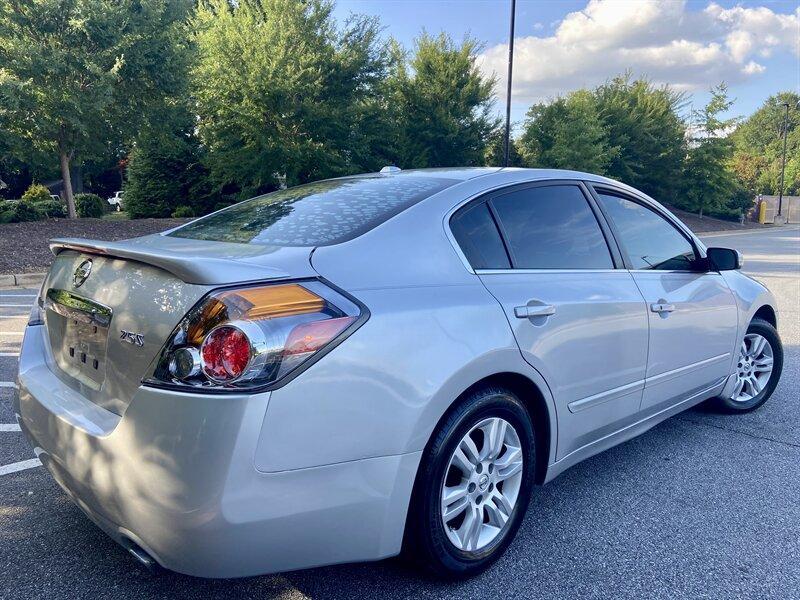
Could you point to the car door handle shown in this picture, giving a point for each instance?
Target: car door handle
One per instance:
(659, 307)
(537, 310)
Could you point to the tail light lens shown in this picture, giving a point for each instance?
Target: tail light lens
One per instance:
(253, 337)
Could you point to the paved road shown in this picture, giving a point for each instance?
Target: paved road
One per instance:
(701, 506)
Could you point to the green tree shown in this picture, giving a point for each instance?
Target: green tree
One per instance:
(282, 91)
(708, 184)
(90, 205)
(495, 152)
(166, 170)
(643, 125)
(440, 104)
(76, 75)
(567, 134)
(759, 147)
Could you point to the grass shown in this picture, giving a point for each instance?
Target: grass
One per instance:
(116, 216)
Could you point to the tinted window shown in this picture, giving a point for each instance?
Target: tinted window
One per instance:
(479, 239)
(316, 214)
(552, 227)
(650, 240)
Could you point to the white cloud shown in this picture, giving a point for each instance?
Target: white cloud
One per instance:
(753, 68)
(664, 40)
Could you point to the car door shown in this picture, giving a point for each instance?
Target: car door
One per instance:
(542, 252)
(692, 312)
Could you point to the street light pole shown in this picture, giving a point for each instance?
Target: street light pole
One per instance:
(783, 160)
(508, 90)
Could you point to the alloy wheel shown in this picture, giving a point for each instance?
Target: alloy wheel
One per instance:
(481, 484)
(754, 367)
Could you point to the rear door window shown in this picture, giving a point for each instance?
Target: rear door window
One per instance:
(315, 214)
(477, 235)
(551, 227)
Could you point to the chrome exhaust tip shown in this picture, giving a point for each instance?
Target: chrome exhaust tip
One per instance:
(142, 557)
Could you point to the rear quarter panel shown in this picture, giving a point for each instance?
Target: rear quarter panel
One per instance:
(384, 389)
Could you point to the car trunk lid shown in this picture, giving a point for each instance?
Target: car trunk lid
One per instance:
(106, 331)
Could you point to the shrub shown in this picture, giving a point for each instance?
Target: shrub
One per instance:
(26, 211)
(89, 205)
(36, 193)
(223, 204)
(182, 212)
(6, 211)
(52, 208)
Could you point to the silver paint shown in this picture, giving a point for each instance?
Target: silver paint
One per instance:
(201, 481)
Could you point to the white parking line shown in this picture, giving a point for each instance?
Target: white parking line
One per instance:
(9, 353)
(20, 466)
(13, 316)
(9, 427)
(8, 384)
(7, 296)
(15, 305)
(12, 333)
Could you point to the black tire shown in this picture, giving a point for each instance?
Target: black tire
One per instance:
(427, 543)
(765, 329)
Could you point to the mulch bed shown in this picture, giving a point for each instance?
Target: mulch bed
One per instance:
(24, 249)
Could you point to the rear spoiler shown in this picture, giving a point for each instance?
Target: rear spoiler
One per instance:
(187, 261)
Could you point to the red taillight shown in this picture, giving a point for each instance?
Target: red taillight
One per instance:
(253, 336)
(225, 353)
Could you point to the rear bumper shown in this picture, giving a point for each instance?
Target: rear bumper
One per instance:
(175, 474)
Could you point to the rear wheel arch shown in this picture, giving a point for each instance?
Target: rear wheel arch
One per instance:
(531, 396)
(419, 534)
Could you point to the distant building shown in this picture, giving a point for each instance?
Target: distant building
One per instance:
(790, 208)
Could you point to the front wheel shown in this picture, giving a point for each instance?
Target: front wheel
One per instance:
(474, 484)
(758, 368)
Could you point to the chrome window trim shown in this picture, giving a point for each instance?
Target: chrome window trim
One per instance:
(581, 183)
(544, 271)
(689, 272)
(633, 195)
(454, 243)
(651, 203)
(461, 203)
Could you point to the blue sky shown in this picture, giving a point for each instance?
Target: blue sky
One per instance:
(563, 45)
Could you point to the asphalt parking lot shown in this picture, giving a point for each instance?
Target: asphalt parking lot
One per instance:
(702, 506)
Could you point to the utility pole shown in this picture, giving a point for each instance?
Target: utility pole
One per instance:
(783, 161)
(508, 91)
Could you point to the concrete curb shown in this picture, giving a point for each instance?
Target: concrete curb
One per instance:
(786, 228)
(22, 279)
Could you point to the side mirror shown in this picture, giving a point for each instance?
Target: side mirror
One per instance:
(724, 259)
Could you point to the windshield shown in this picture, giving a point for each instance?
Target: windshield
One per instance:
(315, 214)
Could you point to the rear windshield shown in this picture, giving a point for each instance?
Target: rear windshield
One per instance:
(315, 214)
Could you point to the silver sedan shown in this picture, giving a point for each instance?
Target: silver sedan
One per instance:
(346, 369)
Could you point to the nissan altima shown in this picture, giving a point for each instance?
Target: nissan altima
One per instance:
(352, 368)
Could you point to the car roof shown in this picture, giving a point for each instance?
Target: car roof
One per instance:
(467, 173)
